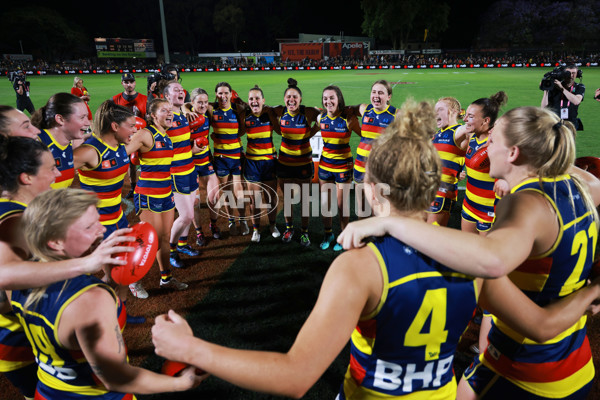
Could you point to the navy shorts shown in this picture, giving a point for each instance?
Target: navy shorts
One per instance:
(185, 184)
(155, 204)
(338, 177)
(440, 204)
(302, 172)
(205, 170)
(481, 226)
(225, 166)
(259, 170)
(359, 177)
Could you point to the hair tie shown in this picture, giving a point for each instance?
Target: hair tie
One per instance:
(557, 125)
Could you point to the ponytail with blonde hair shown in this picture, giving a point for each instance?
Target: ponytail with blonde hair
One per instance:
(546, 144)
(405, 159)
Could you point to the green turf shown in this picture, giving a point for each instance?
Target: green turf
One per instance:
(262, 301)
(466, 85)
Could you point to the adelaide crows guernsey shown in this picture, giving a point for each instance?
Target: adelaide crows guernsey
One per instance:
(407, 343)
(295, 147)
(226, 141)
(453, 160)
(480, 198)
(62, 372)
(15, 350)
(179, 134)
(373, 125)
(336, 155)
(106, 179)
(564, 364)
(203, 157)
(260, 138)
(155, 167)
(63, 158)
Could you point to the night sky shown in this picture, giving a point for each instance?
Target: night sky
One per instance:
(140, 19)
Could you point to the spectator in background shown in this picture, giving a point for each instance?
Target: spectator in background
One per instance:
(564, 98)
(130, 98)
(81, 91)
(22, 87)
(136, 103)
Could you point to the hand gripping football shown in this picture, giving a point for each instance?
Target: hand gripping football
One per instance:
(141, 259)
(202, 141)
(197, 123)
(174, 368)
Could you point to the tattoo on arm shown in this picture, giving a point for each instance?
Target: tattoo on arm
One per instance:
(3, 296)
(119, 339)
(97, 370)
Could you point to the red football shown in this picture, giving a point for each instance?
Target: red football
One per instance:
(141, 259)
(480, 161)
(197, 123)
(174, 368)
(134, 158)
(140, 123)
(202, 141)
(590, 164)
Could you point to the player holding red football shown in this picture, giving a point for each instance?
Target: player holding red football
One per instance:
(73, 325)
(27, 169)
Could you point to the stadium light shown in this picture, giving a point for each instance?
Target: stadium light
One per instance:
(164, 32)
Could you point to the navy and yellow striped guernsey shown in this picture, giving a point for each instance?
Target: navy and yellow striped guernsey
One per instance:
(202, 158)
(453, 160)
(295, 147)
(406, 345)
(106, 179)
(15, 350)
(336, 155)
(562, 365)
(63, 159)
(180, 136)
(260, 138)
(62, 373)
(374, 124)
(155, 166)
(480, 198)
(226, 139)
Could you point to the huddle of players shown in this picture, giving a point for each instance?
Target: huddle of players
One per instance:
(451, 141)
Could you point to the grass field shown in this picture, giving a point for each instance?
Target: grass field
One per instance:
(466, 85)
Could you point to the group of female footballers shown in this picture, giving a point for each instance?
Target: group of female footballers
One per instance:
(404, 291)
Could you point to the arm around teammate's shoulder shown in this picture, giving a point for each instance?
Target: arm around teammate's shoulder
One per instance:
(346, 293)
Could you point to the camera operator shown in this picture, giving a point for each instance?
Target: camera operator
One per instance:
(167, 73)
(21, 86)
(565, 96)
